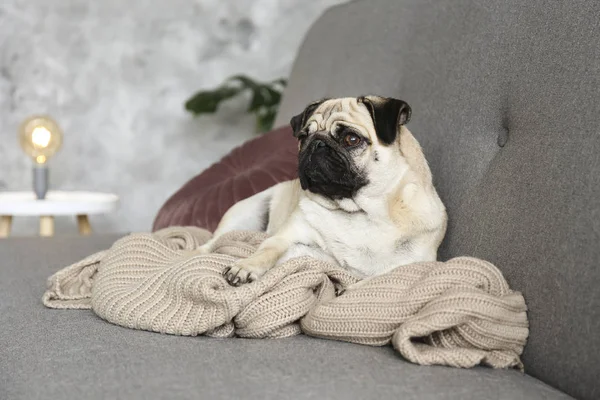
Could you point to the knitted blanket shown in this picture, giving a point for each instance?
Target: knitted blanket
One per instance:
(459, 313)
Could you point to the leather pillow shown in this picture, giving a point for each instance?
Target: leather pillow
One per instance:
(253, 167)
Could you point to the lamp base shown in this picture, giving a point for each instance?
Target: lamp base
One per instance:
(40, 181)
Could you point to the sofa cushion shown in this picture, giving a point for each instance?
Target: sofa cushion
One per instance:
(246, 170)
(73, 354)
(506, 103)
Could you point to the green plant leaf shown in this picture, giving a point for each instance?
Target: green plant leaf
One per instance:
(264, 96)
(256, 101)
(207, 101)
(265, 117)
(274, 96)
(264, 102)
(258, 98)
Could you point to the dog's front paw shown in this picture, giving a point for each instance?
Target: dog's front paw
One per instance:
(244, 271)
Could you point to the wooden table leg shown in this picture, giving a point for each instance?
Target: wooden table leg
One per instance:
(84, 225)
(5, 225)
(47, 225)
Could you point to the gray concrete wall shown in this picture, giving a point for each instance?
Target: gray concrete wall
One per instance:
(115, 75)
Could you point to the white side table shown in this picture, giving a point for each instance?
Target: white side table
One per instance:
(79, 204)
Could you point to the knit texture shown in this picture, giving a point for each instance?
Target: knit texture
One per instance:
(458, 313)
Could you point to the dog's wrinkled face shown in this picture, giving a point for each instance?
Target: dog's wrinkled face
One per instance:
(346, 144)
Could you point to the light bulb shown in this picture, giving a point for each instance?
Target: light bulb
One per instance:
(40, 138)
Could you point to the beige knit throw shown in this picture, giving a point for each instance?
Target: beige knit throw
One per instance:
(459, 313)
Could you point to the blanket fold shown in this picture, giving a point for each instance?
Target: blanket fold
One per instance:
(459, 313)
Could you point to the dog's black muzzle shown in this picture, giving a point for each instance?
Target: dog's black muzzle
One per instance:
(325, 168)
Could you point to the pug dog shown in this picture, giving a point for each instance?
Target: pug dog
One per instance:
(364, 197)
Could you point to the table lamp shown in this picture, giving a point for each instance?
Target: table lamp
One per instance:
(40, 138)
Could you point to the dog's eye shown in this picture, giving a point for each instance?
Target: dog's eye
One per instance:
(351, 139)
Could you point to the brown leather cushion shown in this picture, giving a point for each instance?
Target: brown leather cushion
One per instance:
(253, 167)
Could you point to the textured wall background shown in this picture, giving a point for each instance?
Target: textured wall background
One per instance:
(115, 75)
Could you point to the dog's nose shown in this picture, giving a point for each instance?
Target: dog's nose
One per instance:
(319, 144)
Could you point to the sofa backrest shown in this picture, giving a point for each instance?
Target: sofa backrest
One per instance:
(506, 103)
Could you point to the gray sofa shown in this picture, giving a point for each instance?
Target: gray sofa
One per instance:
(506, 102)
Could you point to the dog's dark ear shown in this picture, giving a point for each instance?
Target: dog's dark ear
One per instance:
(297, 122)
(388, 114)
